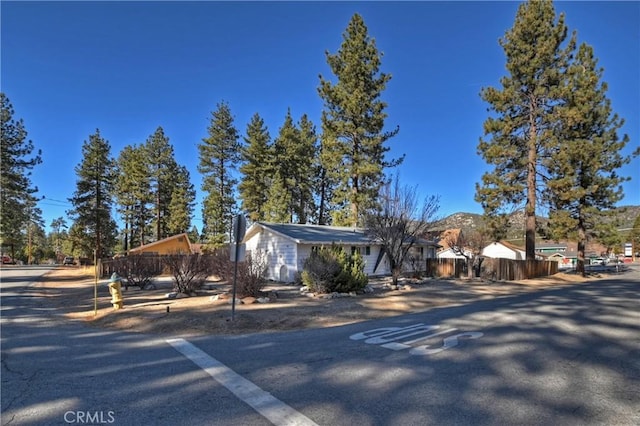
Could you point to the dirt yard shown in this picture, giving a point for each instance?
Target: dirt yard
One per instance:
(71, 290)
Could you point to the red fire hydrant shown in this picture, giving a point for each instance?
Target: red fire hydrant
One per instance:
(115, 288)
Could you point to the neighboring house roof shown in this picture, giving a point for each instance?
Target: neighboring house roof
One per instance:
(451, 253)
(157, 244)
(512, 246)
(592, 247)
(565, 254)
(449, 235)
(505, 244)
(508, 245)
(519, 251)
(318, 234)
(546, 246)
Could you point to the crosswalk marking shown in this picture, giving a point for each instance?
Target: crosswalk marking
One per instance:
(274, 410)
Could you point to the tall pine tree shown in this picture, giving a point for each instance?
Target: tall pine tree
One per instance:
(58, 225)
(584, 184)
(306, 151)
(325, 180)
(151, 189)
(93, 227)
(353, 118)
(255, 169)
(180, 209)
(292, 161)
(17, 193)
(36, 243)
(278, 206)
(133, 195)
(219, 157)
(518, 134)
(162, 169)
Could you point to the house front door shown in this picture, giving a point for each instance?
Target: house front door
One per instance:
(284, 274)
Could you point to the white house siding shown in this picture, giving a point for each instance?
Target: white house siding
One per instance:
(383, 267)
(304, 251)
(285, 257)
(280, 252)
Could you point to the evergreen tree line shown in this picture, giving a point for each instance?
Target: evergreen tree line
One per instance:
(330, 176)
(300, 176)
(551, 137)
(21, 219)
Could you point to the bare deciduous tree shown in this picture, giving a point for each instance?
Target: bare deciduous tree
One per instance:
(251, 274)
(399, 220)
(137, 270)
(467, 244)
(189, 271)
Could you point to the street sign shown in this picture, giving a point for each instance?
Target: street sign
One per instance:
(237, 250)
(239, 228)
(240, 252)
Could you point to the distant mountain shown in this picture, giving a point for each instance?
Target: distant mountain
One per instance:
(464, 221)
(625, 216)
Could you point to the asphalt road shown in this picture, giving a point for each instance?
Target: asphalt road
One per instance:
(569, 356)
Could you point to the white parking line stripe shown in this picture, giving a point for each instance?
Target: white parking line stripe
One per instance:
(274, 410)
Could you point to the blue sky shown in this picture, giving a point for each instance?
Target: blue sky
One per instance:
(128, 67)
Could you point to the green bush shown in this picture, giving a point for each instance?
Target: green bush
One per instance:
(330, 270)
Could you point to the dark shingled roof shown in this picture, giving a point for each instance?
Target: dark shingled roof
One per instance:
(319, 234)
(322, 234)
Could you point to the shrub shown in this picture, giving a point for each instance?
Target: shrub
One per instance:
(189, 271)
(330, 270)
(321, 270)
(221, 264)
(137, 270)
(251, 273)
(359, 279)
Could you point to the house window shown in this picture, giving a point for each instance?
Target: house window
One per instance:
(363, 251)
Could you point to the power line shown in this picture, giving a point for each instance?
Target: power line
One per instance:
(57, 201)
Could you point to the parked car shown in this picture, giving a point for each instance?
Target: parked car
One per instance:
(68, 261)
(7, 260)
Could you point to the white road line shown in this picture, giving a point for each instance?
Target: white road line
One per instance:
(406, 345)
(274, 410)
(440, 333)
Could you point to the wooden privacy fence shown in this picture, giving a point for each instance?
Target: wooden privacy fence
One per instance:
(446, 268)
(495, 269)
(510, 270)
(108, 267)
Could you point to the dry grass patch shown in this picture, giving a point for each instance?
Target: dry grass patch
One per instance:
(71, 291)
